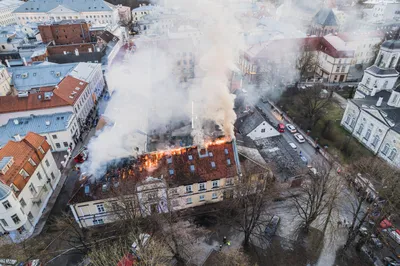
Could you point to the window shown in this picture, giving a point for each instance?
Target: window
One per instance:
(343, 69)
(228, 162)
(4, 222)
(368, 134)
(393, 154)
(171, 171)
(214, 195)
(23, 173)
(213, 165)
(376, 140)
(348, 119)
(395, 99)
(263, 130)
(226, 151)
(188, 200)
(58, 145)
(192, 168)
(15, 219)
(47, 163)
(39, 176)
(174, 191)
(385, 149)
(32, 189)
(337, 68)
(54, 136)
(215, 184)
(6, 204)
(22, 202)
(41, 149)
(360, 129)
(169, 160)
(98, 221)
(189, 189)
(30, 216)
(201, 197)
(229, 182)
(353, 122)
(367, 81)
(32, 162)
(45, 188)
(100, 208)
(392, 62)
(385, 85)
(202, 186)
(190, 157)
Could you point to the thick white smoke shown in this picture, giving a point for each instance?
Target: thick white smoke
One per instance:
(147, 93)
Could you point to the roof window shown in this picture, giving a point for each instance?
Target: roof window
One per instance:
(192, 168)
(169, 160)
(213, 164)
(171, 171)
(228, 161)
(210, 154)
(190, 157)
(226, 151)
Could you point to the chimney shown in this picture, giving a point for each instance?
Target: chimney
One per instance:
(76, 52)
(17, 137)
(7, 63)
(24, 60)
(379, 102)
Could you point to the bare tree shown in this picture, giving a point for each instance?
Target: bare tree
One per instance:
(247, 211)
(317, 196)
(306, 63)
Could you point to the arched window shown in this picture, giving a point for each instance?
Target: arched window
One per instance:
(379, 60)
(393, 154)
(360, 129)
(368, 134)
(367, 81)
(385, 85)
(376, 140)
(392, 62)
(385, 149)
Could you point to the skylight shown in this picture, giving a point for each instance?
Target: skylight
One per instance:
(190, 157)
(169, 160)
(171, 171)
(228, 161)
(213, 164)
(192, 168)
(226, 151)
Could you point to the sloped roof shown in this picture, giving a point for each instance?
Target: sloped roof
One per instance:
(55, 122)
(4, 191)
(25, 78)
(248, 123)
(391, 44)
(356, 36)
(325, 17)
(382, 71)
(22, 151)
(70, 89)
(37, 6)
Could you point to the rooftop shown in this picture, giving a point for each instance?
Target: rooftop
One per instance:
(45, 74)
(391, 44)
(251, 121)
(38, 124)
(38, 6)
(382, 71)
(144, 8)
(83, 71)
(22, 151)
(357, 36)
(182, 166)
(10, 3)
(325, 17)
(70, 89)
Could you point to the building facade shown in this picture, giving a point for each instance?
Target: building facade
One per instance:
(5, 88)
(65, 32)
(6, 11)
(29, 175)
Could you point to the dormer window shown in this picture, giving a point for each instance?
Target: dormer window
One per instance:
(213, 165)
(41, 150)
(226, 151)
(190, 158)
(192, 168)
(169, 160)
(23, 173)
(228, 162)
(32, 162)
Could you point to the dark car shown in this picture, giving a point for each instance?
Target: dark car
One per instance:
(375, 240)
(272, 226)
(390, 261)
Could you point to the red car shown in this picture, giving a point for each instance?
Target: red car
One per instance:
(281, 128)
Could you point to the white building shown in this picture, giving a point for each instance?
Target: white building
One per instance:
(363, 43)
(94, 11)
(6, 11)
(373, 116)
(60, 130)
(254, 126)
(141, 11)
(5, 88)
(385, 11)
(92, 74)
(28, 175)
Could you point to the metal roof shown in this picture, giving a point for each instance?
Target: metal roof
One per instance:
(4, 191)
(391, 44)
(41, 6)
(83, 71)
(25, 78)
(325, 17)
(39, 124)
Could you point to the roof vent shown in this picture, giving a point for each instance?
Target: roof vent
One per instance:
(22, 94)
(80, 83)
(48, 123)
(24, 75)
(58, 74)
(71, 96)
(16, 122)
(47, 95)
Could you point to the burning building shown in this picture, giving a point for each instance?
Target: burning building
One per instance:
(156, 182)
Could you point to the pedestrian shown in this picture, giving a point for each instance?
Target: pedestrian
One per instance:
(220, 247)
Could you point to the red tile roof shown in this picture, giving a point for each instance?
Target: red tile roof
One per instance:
(21, 151)
(70, 89)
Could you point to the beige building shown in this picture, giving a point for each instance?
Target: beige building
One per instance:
(5, 88)
(160, 181)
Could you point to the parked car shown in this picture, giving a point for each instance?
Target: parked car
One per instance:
(299, 137)
(376, 242)
(293, 145)
(291, 128)
(272, 226)
(395, 235)
(363, 231)
(390, 261)
(370, 256)
(281, 128)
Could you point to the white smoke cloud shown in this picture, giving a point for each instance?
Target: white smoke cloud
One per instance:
(147, 93)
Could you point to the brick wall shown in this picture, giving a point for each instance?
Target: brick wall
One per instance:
(65, 33)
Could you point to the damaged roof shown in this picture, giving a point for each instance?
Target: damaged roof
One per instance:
(325, 17)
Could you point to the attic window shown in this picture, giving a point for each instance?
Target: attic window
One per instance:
(169, 160)
(171, 171)
(62, 118)
(77, 88)
(226, 151)
(58, 118)
(192, 168)
(210, 154)
(213, 164)
(228, 161)
(23, 173)
(190, 157)
(80, 83)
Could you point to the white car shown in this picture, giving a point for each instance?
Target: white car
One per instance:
(291, 128)
(299, 137)
(293, 145)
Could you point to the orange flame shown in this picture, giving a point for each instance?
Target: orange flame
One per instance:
(152, 160)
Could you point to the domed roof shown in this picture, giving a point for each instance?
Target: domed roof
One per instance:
(4, 191)
(392, 44)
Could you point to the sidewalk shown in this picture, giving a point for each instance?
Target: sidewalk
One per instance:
(57, 189)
